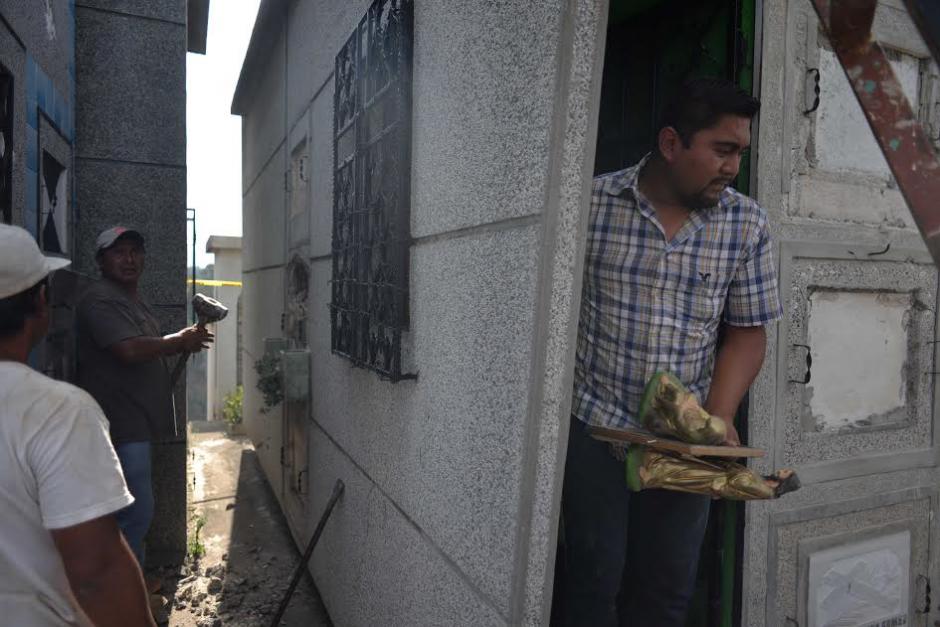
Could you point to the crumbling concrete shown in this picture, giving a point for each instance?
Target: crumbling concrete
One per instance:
(248, 554)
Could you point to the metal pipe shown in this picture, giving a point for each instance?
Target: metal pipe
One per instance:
(191, 217)
(302, 566)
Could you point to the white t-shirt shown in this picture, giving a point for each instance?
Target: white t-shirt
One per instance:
(57, 469)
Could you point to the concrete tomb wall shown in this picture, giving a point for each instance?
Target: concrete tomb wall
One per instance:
(848, 395)
(453, 477)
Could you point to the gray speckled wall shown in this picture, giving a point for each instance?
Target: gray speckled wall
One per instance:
(864, 477)
(452, 480)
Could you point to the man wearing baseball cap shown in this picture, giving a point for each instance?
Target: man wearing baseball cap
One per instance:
(121, 351)
(60, 480)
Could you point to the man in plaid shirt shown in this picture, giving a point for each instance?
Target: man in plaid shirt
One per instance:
(673, 256)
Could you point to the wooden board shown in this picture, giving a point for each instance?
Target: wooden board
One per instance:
(632, 436)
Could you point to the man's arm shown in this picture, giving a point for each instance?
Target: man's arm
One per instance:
(739, 360)
(112, 326)
(103, 574)
(139, 349)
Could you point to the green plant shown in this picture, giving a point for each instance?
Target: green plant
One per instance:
(232, 405)
(194, 546)
(269, 384)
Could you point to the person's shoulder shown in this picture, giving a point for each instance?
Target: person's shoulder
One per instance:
(95, 290)
(613, 183)
(48, 396)
(742, 208)
(746, 216)
(66, 393)
(605, 178)
(100, 292)
(96, 286)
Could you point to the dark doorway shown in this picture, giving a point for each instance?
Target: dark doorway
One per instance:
(652, 46)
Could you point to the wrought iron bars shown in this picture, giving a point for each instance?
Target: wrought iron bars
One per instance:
(371, 189)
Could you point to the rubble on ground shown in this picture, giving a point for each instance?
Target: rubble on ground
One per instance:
(246, 553)
(212, 596)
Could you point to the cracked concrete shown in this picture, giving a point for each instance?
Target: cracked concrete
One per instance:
(249, 555)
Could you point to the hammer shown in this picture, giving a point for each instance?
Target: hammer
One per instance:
(208, 310)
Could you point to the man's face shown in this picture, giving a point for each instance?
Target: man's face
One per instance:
(123, 262)
(710, 163)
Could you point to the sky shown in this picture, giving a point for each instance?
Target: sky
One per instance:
(213, 134)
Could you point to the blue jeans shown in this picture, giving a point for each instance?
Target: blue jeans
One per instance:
(134, 520)
(629, 558)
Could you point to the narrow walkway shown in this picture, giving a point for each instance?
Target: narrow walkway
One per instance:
(248, 554)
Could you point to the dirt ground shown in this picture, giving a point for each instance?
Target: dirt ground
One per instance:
(248, 554)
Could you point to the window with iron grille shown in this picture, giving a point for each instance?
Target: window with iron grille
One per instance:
(6, 146)
(371, 189)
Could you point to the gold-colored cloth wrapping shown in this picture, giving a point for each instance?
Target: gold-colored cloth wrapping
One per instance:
(717, 478)
(670, 410)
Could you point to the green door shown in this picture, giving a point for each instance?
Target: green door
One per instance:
(652, 46)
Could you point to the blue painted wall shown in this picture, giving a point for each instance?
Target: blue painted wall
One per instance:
(43, 98)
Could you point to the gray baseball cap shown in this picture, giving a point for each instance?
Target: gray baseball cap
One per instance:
(108, 237)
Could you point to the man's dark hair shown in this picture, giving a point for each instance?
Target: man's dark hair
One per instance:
(700, 102)
(15, 309)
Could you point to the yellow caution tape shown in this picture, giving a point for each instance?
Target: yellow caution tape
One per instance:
(215, 283)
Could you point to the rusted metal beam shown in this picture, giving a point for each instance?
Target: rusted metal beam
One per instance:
(338, 488)
(850, 22)
(906, 146)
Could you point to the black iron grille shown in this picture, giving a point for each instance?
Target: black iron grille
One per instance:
(371, 189)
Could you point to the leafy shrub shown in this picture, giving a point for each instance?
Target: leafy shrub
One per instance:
(232, 405)
(269, 383)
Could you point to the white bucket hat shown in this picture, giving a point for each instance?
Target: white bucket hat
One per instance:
(22, 265)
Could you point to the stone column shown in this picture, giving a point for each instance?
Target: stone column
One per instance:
(131, 169)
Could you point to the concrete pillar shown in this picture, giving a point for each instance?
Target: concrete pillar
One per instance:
(131, 169)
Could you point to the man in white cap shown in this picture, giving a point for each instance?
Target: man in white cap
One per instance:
(62, 557)
(121, 352)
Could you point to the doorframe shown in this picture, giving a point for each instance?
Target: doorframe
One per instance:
(732, 613)
(732, 609)
(579, 70)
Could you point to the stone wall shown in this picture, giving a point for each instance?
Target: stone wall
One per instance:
(452, 479)
(130, 168)
(860, 297)
(36, 48)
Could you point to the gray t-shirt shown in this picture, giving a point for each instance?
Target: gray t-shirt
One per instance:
(135, 398)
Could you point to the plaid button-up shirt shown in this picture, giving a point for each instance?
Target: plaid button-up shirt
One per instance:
(649, 305)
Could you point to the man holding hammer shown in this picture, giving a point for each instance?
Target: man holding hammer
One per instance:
(121, 353)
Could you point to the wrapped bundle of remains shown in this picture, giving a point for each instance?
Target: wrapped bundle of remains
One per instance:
(670, 410)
